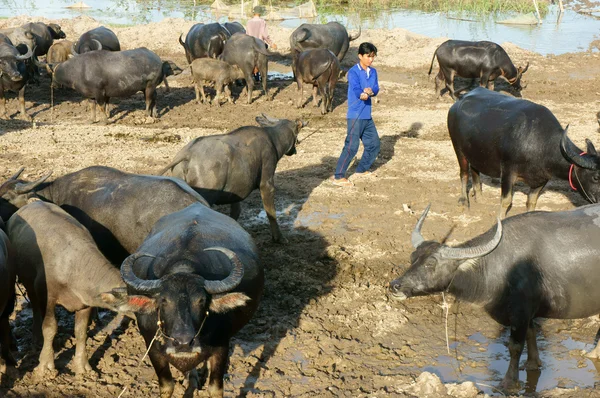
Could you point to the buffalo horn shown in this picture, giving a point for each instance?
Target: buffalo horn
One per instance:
(25, 56)
(573, 154)
(22, 188)
(132, 280)
(416, 237)
(73, 47)
(98, 44)
(231, 281)
(464, 253)
(526, 67)
(17, 174)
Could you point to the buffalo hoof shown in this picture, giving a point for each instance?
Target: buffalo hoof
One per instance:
(510, 385)
(534, 364)
(463, 201)
(25, 117)
(45, 372)
(594, 354)
(83, 368)
(150, 120)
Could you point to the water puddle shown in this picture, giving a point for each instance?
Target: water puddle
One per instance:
(486, 362)
(280, 76)
(558, 33)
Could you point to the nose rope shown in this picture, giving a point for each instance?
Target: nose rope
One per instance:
(582, 188)
(160, 323)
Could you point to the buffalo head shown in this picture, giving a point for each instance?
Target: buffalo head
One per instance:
(15, 193)
(267, 121)
(433, 265)
(585, 172)
(179, 302)
(516, 82)
(9, 62)
(170, 68)
(55, 31)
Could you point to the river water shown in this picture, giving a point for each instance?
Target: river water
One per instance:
(558, 34)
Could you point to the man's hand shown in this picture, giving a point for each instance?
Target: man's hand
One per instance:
(368, 91)
(364, 96)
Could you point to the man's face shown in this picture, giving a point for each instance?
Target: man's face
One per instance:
(366, 59)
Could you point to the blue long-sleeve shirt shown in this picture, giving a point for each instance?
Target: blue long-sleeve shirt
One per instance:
(357, 82)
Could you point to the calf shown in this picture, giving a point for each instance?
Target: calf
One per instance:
(214, 70)
(320, 68)
(8, 276)
(481, 60)
(59, 263)
(226, 168)
(539, 264)
(514, 139)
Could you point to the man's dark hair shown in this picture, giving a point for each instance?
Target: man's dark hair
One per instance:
(367, 48)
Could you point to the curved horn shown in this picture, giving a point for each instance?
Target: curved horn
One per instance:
(73, 47)
(573, 154)
(25, 56)
(132, 280)
(464, 253)
(351, 38)
(30, 186)
(17, 174)
(526, 67)
(416, 237)
(234, 278)
(98, 44)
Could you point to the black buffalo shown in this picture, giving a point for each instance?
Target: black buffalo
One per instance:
(332, 36)
(101, 75)
(193, 283)
(37, 35)
(118, 208)
(16, 70)
(538, 264)
(8, 276)
(100, 38)
(514, 139)
(481, 60)
(208, 40)
(226, 168)
(321, 68)
(250, 55)
(59, 264)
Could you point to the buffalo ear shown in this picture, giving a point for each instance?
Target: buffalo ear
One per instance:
(590, 148)
(225, 302)
(301, 123)
(118, 300)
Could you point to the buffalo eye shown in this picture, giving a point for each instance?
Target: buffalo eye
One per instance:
(595, 178)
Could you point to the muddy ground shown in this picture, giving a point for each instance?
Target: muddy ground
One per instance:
(325, 326)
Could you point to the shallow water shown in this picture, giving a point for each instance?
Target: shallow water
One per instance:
(570, 32)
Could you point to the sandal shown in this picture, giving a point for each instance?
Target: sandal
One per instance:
(341, 182)
(363, 174)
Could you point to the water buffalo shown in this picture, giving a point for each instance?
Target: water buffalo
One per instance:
(321, 68)
(208, 40)
(514, 139)
(481, 60)
(59, 263)
(226, 168)
(332, 36)
(250, 55)
(100, 38)
(538, 264)
(101, 75)
(37, 35)
(217, 71)
(193, 283)
(118, 208)
(57, 53)
(15, 71)
(8, 276)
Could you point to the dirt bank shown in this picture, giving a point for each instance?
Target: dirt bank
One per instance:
(325, 326)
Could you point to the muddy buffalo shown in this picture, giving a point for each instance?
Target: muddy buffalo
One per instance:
(100, 75)
(193, 283)
(514, 139)
(208, 40)
(59, 264)
(214, 70)
(100, 38)
(226, 168)
(38, 35)
(16, 70)
(332, 36)
(540, 264)
(481, 60)
(321, 69)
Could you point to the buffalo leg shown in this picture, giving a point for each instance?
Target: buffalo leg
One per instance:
(24, 114)
(267, 193)
(218, 366)
(439, 78)
(516, 344)
(197, 88)
(102, 103)
(82, 320)
(235, 210)
(228, 93)
(595, 353)
(315, 99)
(464, 180)
(249, 86)
(449, 78)
(167, 88)
(300, 93)
(150, 93)
(532, 197)
(533, 354)
(92, 102)
(476, 181)
(507, 192)
(263, 76)
(161, 367)
(49, 327)
(5, 334)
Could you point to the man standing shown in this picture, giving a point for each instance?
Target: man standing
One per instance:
(362, 85)
(257, 27)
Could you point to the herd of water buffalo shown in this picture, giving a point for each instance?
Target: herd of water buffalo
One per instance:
(192, 276)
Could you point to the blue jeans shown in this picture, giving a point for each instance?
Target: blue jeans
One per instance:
(358, 130)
